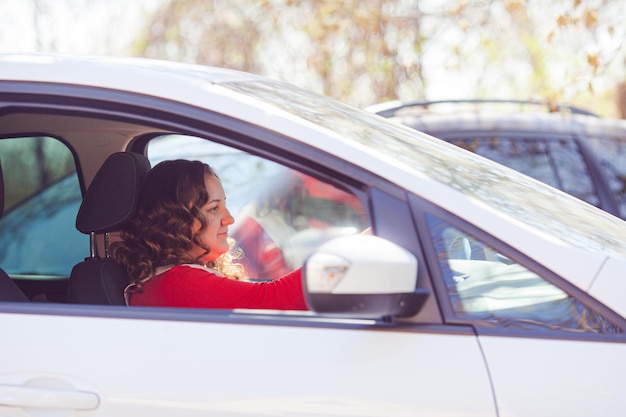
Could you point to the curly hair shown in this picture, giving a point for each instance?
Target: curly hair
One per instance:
(162, 231)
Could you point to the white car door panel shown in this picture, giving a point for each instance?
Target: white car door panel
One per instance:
(238, 369)
(560, 377)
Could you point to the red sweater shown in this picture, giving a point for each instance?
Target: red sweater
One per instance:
(190, 286)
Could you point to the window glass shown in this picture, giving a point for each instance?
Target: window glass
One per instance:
(37, 232)
(572, 170)
(490, 289)
(281, 215)
(558, 163)
(611, 151)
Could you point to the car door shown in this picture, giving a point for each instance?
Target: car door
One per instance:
(62, 359)
(199, 364)
(550, 348)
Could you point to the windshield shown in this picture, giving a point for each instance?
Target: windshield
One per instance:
(527, 200)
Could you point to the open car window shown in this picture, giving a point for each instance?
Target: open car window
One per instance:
(281, 214)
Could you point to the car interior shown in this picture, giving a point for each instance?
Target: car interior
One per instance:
(99, 212)
(31, 143)
(92, 167)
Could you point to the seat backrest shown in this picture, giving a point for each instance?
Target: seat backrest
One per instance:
(110, 202)
(9, 290)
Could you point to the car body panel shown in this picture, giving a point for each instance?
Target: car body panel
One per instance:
(240, 369)
(610, 286)
(525, 377)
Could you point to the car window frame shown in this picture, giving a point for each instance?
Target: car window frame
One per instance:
(46, 285)
(356, 191)
(377, 196)
(166, 117)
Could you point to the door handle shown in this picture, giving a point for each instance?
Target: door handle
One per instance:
(31, 397)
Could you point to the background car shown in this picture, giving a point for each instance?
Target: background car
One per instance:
(567, 147)
(439, 282)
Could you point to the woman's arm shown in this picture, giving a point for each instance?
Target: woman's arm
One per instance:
(185, 286)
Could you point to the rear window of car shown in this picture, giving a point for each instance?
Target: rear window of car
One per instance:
(38, 236)
(554, 161)
(611, 152)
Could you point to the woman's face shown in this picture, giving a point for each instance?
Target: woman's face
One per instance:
(217, 218)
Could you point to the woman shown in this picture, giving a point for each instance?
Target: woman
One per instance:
(177, 252)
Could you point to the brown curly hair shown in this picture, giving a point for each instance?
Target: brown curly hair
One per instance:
(162, 233)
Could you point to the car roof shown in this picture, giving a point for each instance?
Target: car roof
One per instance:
(553, 123)
(104, 71)
(191, 84)
(514, 116)
(196, 85)
(391, 108)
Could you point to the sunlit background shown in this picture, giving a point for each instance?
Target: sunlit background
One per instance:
(359, 51)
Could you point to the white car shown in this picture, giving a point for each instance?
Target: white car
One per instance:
(475, 291)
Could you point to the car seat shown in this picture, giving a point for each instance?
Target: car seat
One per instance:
(9, 290)
(109, 203)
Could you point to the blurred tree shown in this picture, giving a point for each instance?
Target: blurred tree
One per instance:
(369, 51)
(562, 50)
(361, 46)
(356, 50)
(375, 50)
(30, 164)
(226, 34)
(621, 100)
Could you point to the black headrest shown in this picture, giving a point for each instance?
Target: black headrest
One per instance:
(111, 199)
(1, 191)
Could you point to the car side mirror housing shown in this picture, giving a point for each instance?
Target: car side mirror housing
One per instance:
(362, 276)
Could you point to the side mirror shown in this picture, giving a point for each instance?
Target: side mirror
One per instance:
(362, 276)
